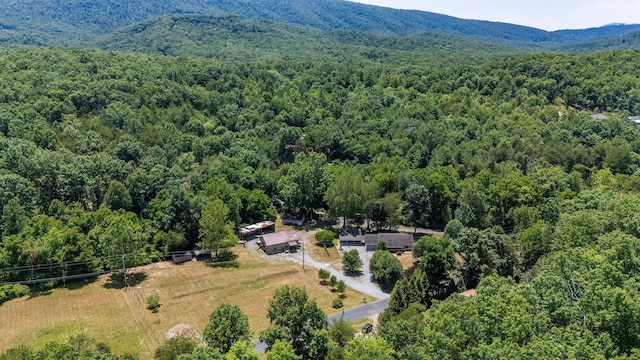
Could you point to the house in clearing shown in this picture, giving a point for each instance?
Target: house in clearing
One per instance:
(279, 242)
(396, 242)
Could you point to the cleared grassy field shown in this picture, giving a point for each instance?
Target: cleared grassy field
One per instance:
(188, 294)
(329, 255)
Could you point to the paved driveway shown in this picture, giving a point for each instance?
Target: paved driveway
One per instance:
(362, 283)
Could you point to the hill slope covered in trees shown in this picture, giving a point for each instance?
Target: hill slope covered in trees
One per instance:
(233, 38)
(74, 22)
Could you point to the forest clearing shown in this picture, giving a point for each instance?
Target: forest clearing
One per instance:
(188, 294)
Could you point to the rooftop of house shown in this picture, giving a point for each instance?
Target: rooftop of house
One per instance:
(278, 238)
(351, 234)
(391, 239)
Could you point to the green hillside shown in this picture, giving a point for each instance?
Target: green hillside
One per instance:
(235, 39)
(76, 21)
(626, 42)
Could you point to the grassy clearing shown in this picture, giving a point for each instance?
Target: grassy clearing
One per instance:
(328, 255)
(188, 294)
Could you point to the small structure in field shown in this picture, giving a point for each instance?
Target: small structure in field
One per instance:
(181, 257)
(202, 254)
(251, 231)
(279, 242)
(351, 237)
(396, 242)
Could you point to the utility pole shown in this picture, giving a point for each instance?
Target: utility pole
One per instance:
(305, 270)
(124, 274)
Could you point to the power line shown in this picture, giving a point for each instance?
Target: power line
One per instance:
(67, 266)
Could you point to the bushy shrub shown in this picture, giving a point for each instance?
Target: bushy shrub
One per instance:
(337, 303)
(325, 238)
(10, 292)
(153, 302)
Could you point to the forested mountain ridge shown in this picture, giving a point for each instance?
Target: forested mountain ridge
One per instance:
(629, 41)
(74, 22)
(230, 37)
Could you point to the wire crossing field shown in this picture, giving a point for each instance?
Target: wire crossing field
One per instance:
(188, 294)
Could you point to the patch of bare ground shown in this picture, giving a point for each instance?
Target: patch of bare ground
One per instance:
(409, 263)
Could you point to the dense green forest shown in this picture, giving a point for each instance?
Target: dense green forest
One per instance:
(79, 22)
(105, 154)
(235, 39)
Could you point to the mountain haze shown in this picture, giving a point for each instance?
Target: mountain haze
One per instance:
(49, 22)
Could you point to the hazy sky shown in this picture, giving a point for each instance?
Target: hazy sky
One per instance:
(543, 14)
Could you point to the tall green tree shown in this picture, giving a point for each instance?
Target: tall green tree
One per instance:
(303, 187)
(293, 318)
(369, 347)
(227, 325)
(121, 238)
(351, 262)
(282, 350)
(117, 197)
(385, 268)
(216, 232)
(345, 195)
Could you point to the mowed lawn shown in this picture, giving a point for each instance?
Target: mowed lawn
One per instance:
(188, 294)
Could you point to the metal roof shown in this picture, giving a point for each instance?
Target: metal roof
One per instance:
(391, 239)
(278, 238)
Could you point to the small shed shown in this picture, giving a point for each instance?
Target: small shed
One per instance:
(202, 254)
(396, 242)
(279, 242)
(351, 237)
(181, 257)
(293, 219)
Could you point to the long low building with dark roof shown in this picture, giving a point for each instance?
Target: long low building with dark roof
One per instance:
(396, 242)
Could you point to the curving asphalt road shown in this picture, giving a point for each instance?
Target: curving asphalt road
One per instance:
(361, 312)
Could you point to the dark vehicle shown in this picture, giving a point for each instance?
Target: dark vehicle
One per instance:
(367, 328)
